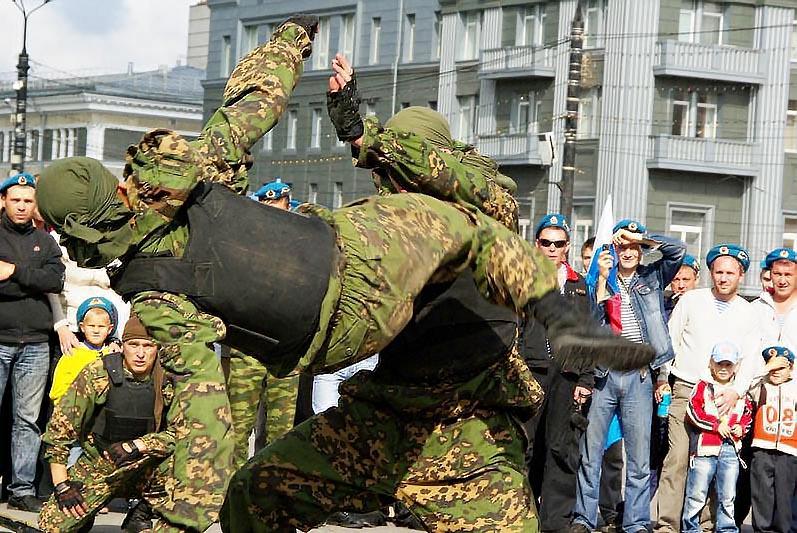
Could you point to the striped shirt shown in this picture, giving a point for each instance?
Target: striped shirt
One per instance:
(631, 328)
(721, 306)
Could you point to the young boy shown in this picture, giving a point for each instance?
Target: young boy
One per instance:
(773, 471)
(97, 318)
(715, 443)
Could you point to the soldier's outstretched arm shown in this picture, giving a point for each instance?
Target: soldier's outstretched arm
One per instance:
(257, 93)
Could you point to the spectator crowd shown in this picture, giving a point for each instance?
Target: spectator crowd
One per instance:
(707, 430)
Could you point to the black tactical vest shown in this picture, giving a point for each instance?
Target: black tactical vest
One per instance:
(129, 410)
(262, 270)
(454, 334)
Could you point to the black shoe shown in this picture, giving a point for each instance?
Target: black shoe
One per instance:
(27, 503)
(357, 520)
(578, 527)
(579, 343)
(403, 517)
(138, 519)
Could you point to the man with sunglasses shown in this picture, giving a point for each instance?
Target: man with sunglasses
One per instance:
(553, 440)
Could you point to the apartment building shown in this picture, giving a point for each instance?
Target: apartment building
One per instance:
(688, 112)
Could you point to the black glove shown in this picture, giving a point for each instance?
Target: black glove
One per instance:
(68, 495)
(344, 111)
(123, 453)
(308, 22)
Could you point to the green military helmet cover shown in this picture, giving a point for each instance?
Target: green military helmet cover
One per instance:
(424, 122)
(77, 196)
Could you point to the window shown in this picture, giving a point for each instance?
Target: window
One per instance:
(226, 56)
(268, 139)
(408, 44)
(347, 32)
(337, 195)
(589, 112)
(471, 30)
(248, 39)
(376, 34)
(370, 109)
(680, 114)
(405, 105)
(706, 126)
(790, 232)
(437, 44)
(433, 105)
(2, 146)
(321, 45)
(312, 193)
(582, 228)
(523, 113)
(694, 114)
(690, 224)
(293, 123)
(594, 19)
(315, 133)
(790, 134)
(531, 26)
(700, 21)
(467, 118)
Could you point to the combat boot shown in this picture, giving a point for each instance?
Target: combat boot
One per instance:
(579, 343)
(138, 519)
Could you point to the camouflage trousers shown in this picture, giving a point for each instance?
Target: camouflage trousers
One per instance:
(456, 460)
(102, 482)
(250, 384)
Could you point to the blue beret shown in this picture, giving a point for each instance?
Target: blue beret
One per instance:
(552, 220)
(23, 178)
(763, 264)
(98, 302)
(777, 351)
(273, 190)
(780, 254)
(692, 262)
(733, 250)
(631, 225)
(293, 204)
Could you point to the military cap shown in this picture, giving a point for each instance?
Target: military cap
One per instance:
(777, 351)
(763, 265)
(98, 302)
(552, 220)
(725, 351)
(23, 178)
(273, 190)
(780, 254)
(733, 250)
(631, 225)
(692, 262)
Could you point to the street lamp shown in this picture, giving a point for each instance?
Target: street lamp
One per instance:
(21, 86)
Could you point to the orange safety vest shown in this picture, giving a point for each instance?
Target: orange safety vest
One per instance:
(775, 425)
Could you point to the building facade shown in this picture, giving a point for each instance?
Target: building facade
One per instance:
(688, 112)
(101, 116)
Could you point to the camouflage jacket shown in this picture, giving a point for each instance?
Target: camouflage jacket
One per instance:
(73, 417)
(404, 160)
(164, 167)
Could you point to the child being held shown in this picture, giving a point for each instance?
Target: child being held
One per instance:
(773, 470)
(97, 318)
(715, 441)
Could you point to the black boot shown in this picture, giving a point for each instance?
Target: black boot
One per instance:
(357, 520)
(579, 343)
(403, 517)
(138, 519)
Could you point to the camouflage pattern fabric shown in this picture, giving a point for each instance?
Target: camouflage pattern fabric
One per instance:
(403, 160)
(452, 454)
(393, 246)
(249, 384)
(71, 417)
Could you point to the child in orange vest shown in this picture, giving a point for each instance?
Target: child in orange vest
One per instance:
(773, 471)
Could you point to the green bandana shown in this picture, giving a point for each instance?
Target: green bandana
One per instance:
(77, 196)
(424, 122)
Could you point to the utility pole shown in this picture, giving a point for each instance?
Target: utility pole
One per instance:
(21, 86)
(571, 120)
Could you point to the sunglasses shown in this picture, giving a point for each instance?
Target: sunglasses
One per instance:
(545, 243)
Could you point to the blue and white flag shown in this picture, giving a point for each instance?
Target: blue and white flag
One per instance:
(603, 237)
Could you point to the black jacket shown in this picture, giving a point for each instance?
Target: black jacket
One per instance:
(25, 314)
(534, 344)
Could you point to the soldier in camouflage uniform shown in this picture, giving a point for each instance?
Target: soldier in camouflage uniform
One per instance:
(85, 414)
(384, 252)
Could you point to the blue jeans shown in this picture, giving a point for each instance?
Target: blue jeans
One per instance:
(631, 395)
(26, 365)
(325, 386)
(723, 470)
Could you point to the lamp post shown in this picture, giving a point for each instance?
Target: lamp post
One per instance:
(21, 86)
(571, 120)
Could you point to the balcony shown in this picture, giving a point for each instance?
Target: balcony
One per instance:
(517, 62)
(708, 62)
(511, 148)
(713, 156)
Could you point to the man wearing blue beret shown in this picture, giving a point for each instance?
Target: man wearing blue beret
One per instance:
(275, 193)
(30, 267)
(702, 319)
(777, 311)
(685, 280)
